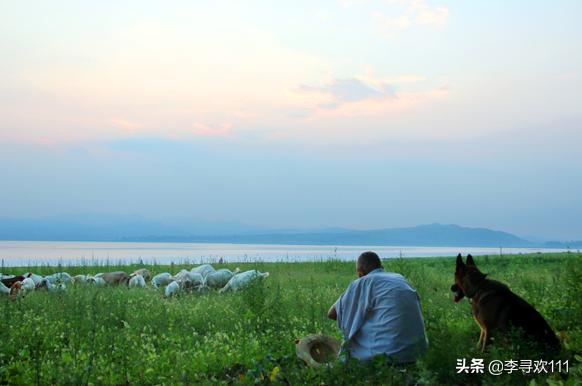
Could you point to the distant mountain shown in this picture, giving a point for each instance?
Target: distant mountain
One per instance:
(422, 235)
(92, 227)
(104, 227)
(563, 244)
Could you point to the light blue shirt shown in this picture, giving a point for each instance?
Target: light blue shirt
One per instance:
(380, 314)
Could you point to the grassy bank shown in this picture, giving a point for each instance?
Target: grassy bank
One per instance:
(119, 335)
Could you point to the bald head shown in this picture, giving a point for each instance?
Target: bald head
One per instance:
(367, 262)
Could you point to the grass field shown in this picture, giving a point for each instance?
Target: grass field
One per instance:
(135, 336)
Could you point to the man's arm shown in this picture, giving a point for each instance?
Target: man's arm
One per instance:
(332, 313)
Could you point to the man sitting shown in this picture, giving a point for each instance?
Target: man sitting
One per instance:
(379, 314)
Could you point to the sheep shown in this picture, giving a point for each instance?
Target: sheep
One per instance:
(21, 288)
(147, 275)
(242, 280)
(197, 280)
(3, 289)
(172, 289)
(114, 278)
(181, 275)
(36, 278)
(137, 281)
(220, 277)
(203, 269)
(44, 285)
(193, 279)
(60, 277)
(161, 279)
(15, 289)
(9, 280)
(58, 287)
(97, 281)
(28, 284)
(81, 279)
(47, 285)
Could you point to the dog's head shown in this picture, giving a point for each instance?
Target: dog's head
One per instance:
(466, 277)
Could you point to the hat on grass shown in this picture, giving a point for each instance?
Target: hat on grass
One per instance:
(317, 350)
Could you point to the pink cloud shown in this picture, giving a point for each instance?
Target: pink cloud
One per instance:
(46, 141)
(205, 130)
(402, 101)
(125, 124)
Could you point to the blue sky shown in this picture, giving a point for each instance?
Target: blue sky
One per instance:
(360, 114)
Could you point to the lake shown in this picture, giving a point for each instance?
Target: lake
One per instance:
(22, 253)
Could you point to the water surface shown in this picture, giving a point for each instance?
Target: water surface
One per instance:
(20, 253)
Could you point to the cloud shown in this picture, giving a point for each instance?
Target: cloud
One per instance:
(139, 80)
(368, 95)
(394, 23)
(205, 130)
(378, 107)
(125, 124)
(350, 90)
(415, 12)
(424, 14)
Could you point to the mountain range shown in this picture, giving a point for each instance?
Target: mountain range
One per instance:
(135, 228)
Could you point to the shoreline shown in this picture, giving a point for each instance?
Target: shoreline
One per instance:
(15, 253)
(329, 260)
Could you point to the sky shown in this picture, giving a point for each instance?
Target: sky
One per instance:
(351, 113)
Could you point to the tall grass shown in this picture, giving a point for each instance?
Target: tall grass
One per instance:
(93, 335)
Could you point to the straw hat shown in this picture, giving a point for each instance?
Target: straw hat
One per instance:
(317, 350)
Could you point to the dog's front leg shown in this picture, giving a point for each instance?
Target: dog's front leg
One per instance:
(480, 343)
(480, 339)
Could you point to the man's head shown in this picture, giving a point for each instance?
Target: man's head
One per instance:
(367, 262)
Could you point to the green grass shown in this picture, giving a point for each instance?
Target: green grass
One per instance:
(119, 336)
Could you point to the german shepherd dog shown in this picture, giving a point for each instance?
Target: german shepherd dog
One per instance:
(495, 307)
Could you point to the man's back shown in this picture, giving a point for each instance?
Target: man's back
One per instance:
(380, 314)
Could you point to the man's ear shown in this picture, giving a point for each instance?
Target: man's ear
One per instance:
(470, 261)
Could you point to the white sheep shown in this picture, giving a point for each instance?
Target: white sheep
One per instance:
(189, 280)
(60, 277)
(183, 274)
(243, 280)
(50, 287)
(203, 270)
(3, 289)
(36, 278)
(5, 276)
(137, 281)
(28, 285)
(81, 279)
(161, 279)
(58, 287)
(198, 281)
(172, 289)
(97, 281)
(220, 277)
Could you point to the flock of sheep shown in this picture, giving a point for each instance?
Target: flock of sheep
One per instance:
(201, 278)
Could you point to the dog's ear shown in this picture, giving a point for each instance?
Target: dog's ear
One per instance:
(470, 261)
(460, 263)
